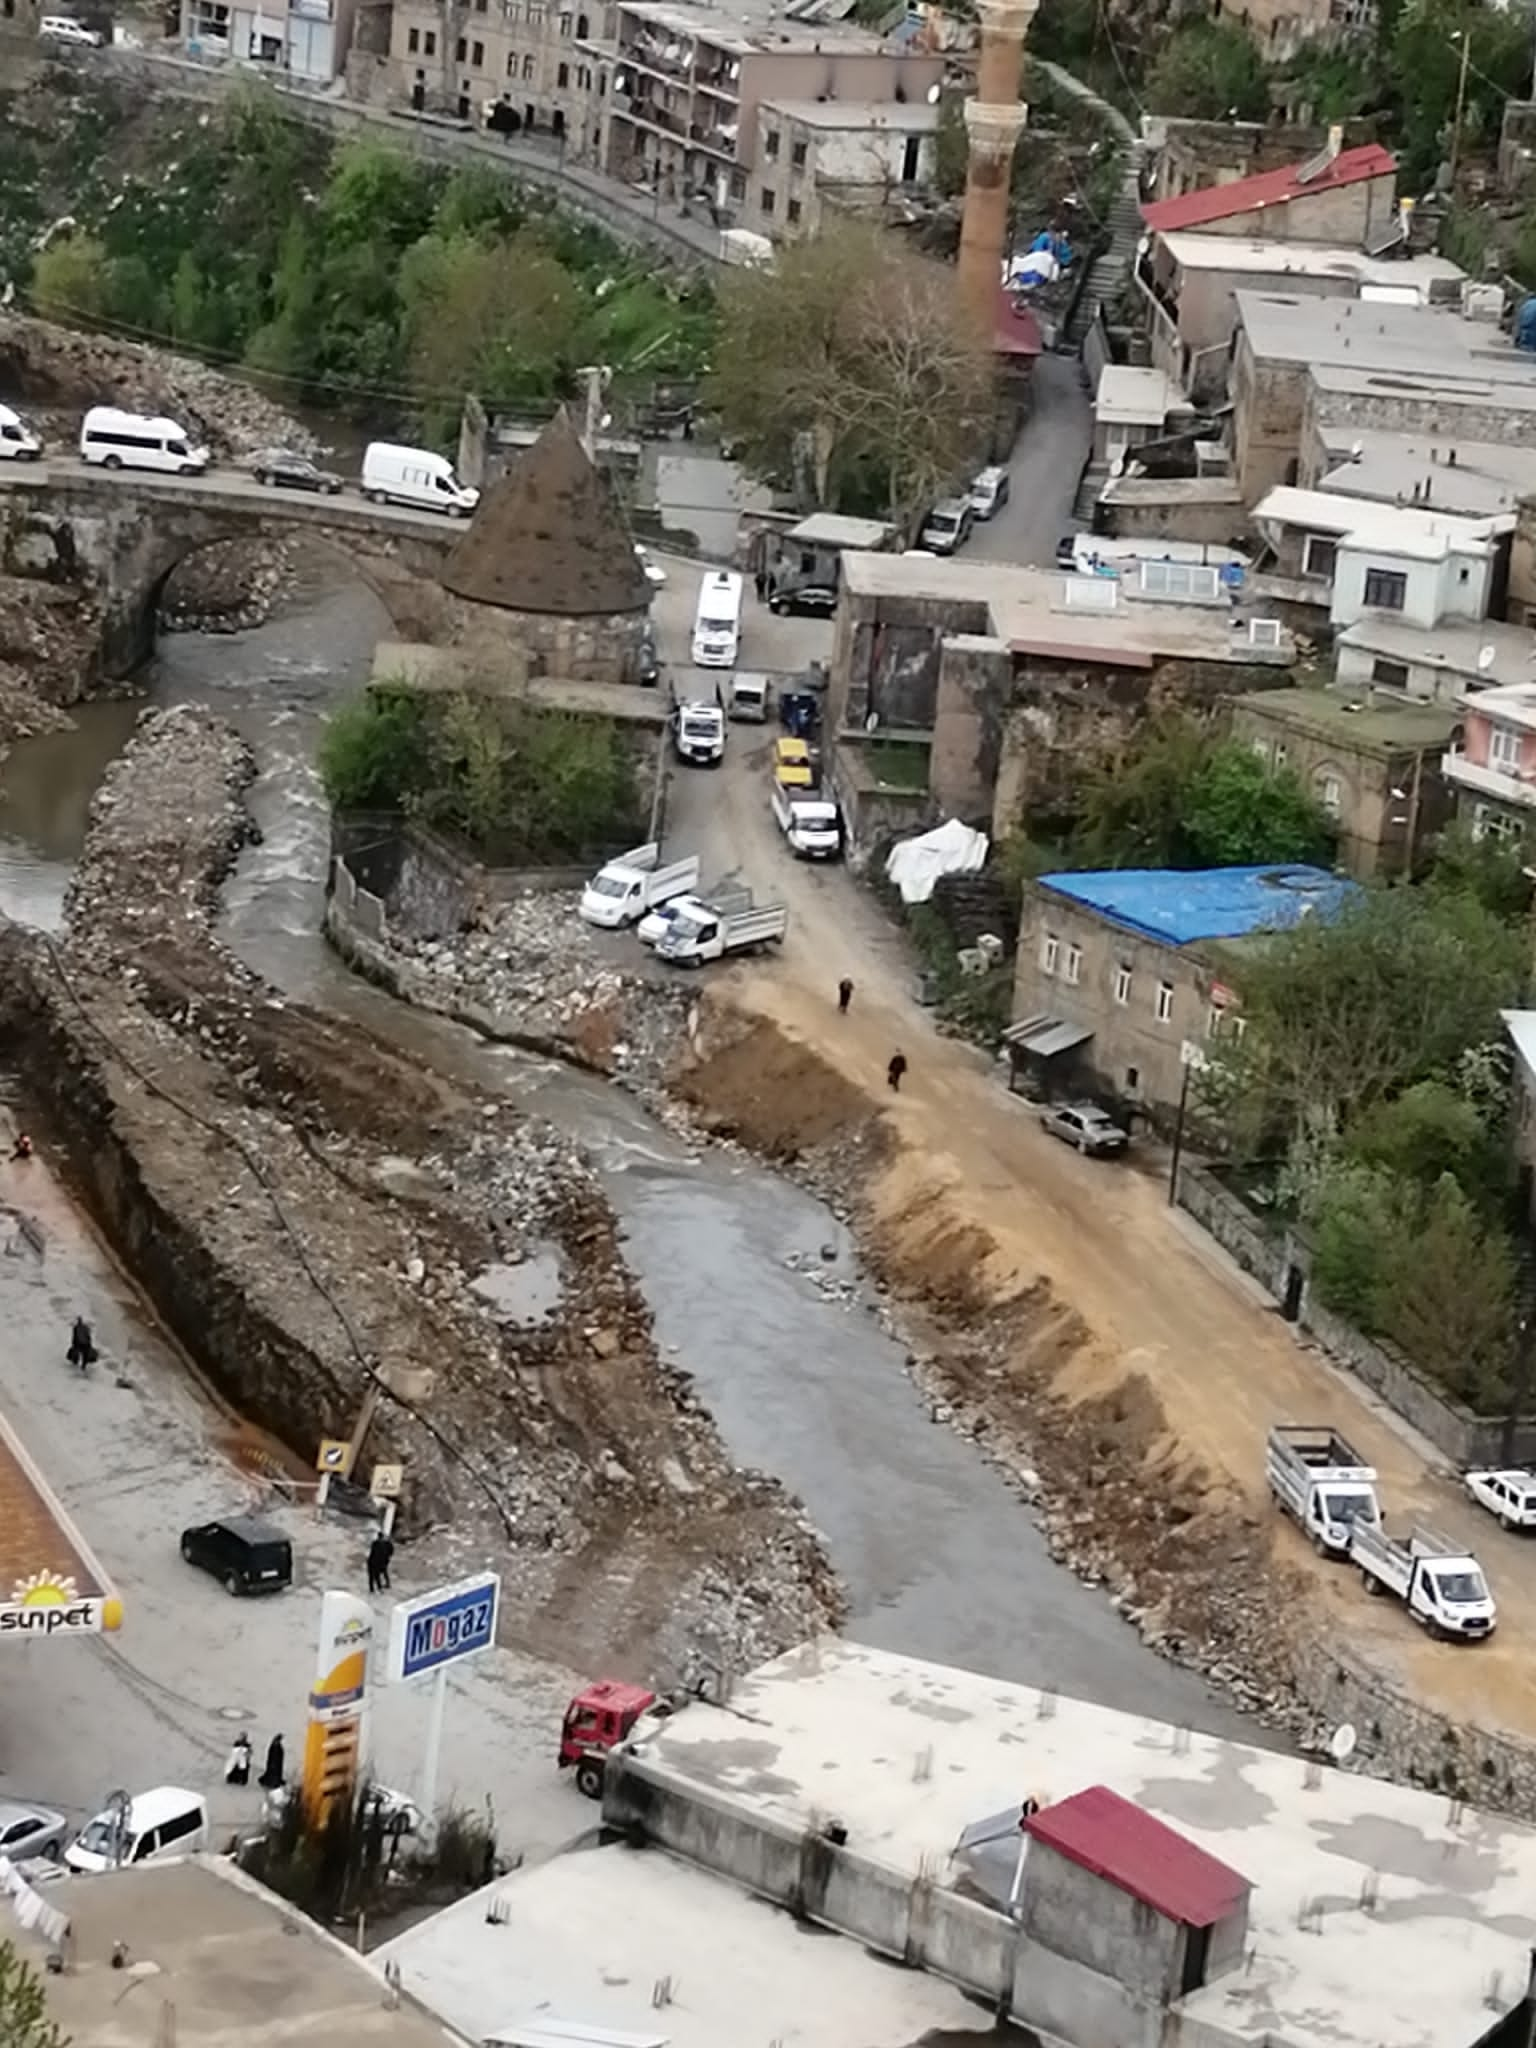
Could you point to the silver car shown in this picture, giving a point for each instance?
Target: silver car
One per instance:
(1086, 1126)
(28, 1830)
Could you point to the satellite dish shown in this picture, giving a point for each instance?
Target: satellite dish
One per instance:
(1486, 656)
(1341, 1743)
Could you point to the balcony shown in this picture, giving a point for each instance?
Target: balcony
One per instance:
(663, 56)
(1480, 781)
(646, 114)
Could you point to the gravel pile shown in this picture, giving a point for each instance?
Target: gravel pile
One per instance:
(228, 587)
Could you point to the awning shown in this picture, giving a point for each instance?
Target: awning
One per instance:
(1045, 1038)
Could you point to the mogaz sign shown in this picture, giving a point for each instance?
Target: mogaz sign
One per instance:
(439, 1628)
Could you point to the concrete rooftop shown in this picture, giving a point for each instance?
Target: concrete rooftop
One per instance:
(1453, 648)
(1135, 396)
(1269, 258)
(1334, 381)
(1357, 334)
(902, 117)
(1413, 530)
(235, 1965)
(1485, 478)
(585, 1937)
(754, 25)
(1353, 718)
(906, 1755)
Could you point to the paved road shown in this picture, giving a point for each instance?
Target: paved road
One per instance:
(1043, 472)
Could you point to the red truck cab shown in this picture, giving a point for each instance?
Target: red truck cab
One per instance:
(595, 1722)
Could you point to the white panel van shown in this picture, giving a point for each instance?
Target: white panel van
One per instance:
(155, 1826)
(18, 443)
(129, 440)
(717, 623)
(415, 476)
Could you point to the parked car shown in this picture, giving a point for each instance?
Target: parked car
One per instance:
(800, 713)
(649, 662)
(244, 1554)
(28, 1830)
(806, 601)
(151, 1827)
(1066, 551)
(293, 472)
(60, 28)
(947, 527)
(1086, 1126)
(989, 492)
(655, 575)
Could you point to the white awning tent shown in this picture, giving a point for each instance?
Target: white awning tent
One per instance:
(914, 865)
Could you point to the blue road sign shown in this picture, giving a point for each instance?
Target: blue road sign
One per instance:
(441, 1627)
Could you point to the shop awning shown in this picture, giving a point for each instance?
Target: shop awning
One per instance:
(50, 1582)
(1044, 1038)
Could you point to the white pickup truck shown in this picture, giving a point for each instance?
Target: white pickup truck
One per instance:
(1320, 1479)
(722, 901)
(626, 888)
(1508, 1493)
(689, 941)
(808, 821)
(1442, 1587)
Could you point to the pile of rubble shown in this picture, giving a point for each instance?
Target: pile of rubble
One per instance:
(229, 586)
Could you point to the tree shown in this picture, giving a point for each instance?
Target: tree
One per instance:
(24, 2021)
(503, 319)
(849, 372)
(70, 279)
(1131, 806)
(1210, 71)
(1240, 812)
(371, 752)
(1492, 870)
(1426, 1133)
(1447, 1296)
(1425, 69)
(1347, 1010)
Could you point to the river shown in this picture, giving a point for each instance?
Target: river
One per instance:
(940, 1558)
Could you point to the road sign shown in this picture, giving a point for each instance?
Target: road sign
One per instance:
(437, 1629)
(386, 1482)
(334, 1455)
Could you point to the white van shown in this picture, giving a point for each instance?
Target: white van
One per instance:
(717, 623)
(18, 443)
(157, 1825)
(128, 440)
(61, 28)
(415, 476)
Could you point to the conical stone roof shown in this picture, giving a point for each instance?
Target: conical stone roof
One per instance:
(549, 537)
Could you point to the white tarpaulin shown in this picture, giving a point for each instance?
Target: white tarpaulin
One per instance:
(916, 864)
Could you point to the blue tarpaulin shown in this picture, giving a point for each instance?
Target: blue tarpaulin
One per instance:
(1179, 907)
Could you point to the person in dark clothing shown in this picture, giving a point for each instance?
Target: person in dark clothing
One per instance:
(897, 1067)
(844, 996)
(274, 1772)
(380, 1551)
(82, 1345)
(22, 1149)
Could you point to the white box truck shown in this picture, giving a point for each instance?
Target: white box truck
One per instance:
(808, 821)
(689, 942)
(717, 622)
(1442, 1587)
(625, 889)
(416, 477)
(1318, 1477)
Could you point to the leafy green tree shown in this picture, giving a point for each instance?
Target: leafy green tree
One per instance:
(1130, 810)
(1209, 70)
(1425, 66)
(1429, 1131)
(1239, 812)
(1492, 870)
(70, 279)
(1355, 1212)
(1447, 1296)
(372, 751)
(24, 2021)
(503, 319)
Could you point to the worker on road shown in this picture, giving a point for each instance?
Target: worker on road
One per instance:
(894, 1072)
(844, 996)
(82, 1345)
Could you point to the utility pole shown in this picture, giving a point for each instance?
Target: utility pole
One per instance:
(1464, 37)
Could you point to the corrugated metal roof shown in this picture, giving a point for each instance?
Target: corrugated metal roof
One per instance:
(1046, 1037)
(1180, 906)
(1101, 1832)
(1267, 188)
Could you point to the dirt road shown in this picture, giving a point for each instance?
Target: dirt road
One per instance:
(1128, 1295)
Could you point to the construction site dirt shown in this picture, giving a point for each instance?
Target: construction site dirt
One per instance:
(335, 1233)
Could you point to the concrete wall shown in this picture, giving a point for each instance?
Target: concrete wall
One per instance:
(975, 680)
(602, 649)
(885, 657)
(1178, 508)
(1445, 415)
(1433, 685)
(1349, 215)
(1457, 587)
(1267, 402)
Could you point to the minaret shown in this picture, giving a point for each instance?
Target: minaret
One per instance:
(992, 123)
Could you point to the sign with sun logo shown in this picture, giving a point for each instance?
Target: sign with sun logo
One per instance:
(50, 1603)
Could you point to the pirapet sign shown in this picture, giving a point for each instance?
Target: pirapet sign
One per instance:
(51, 1604)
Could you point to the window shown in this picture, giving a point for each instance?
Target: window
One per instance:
(797, 155)
(477, 56)
(461, 49)
(1319, 554)
(1050, 946)
(1122, 983)
(1191, 580)
(1279, 756)
(792, 211)
(179, 1827)
(413, 41)
(1386, 590)
(429, 42)
(1132, 1080)
(567, 22)
(771, 142)
(1504, 749)
(512, 64)
(1163, 1004)
(1487, 823)
(1330, 794)
(1074, 968)
(581, 28)
(562, 77)
(1392, 675)
(1263, 632)
(767, 199)
(738, 184)
(1261, 748)
(528, 65)
(1213, 1021)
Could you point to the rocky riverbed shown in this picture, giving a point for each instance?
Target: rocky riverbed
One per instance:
(334, 1229)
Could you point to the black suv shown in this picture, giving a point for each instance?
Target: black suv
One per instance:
(247, 1555)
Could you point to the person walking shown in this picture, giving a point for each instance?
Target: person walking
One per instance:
(82, 1345)
(237, 1766)
(894, 1072)
(274, 1772)
(844, 996)
(380, 1551)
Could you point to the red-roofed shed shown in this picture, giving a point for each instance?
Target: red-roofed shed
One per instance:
(1282, 200)
(1133, 1849)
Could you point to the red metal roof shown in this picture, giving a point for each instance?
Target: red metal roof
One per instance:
(1016, 330)
(1134, 1850)
(1266, 188)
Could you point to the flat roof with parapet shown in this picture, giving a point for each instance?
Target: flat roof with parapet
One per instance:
(757, 25)
(1395, 529)
(1270, 258)
(1135, 396)
(1484, 477)
(909, 117)
(1456, 647)
(1510, 704)
(580, 1941)
(1032, 612)
(214, 1959)
(1352, 717)
(1443, 387)
(1378, 1913)
(1362, 335)
(839, 530)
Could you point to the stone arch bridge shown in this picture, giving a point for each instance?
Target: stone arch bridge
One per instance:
(117, 537)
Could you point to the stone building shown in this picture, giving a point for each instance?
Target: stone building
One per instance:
(548, 567)
(1344, 196)
(861, 156)
(1125, 978)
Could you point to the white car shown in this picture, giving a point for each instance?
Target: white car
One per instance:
(1510, 1495)
(655, 575)
(989, 492)
(28, 1830)
(59, 28)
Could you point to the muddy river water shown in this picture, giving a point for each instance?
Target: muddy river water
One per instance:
(940, 1559)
